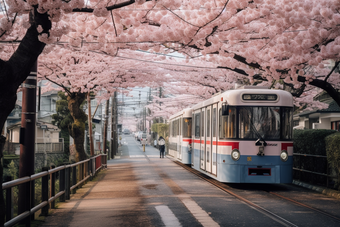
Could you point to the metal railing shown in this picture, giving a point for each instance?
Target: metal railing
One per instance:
(68, 182)
(303, 166)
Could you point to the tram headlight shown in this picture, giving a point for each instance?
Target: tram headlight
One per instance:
(235, 154)
(284, 155)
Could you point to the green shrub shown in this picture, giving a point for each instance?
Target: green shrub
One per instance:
(311, 141)
(333, 154)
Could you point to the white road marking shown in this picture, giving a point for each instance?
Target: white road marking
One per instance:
(168, 218)
(202, 216)
(143, 156)
(137, 156)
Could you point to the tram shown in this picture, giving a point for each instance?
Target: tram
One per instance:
(180, 136)
(242, 136)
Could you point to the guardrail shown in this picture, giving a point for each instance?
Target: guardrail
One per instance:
(68, 182)
(308, 164)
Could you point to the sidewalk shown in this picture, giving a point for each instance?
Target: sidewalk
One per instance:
(322, 190)
(111, 198)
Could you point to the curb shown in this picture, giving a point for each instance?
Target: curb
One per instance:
(322, 190)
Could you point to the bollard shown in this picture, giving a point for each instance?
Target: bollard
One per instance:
(44, 192)
(9, 200)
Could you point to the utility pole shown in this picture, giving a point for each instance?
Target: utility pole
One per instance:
(115, 118)
(160, 103)
(111, 137)
(149, 112)
(114, 142)
(144, 118)
(27, 142)
(89, 117)
(106, 123)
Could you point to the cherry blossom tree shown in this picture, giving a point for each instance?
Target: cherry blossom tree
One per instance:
(281, 43)
(80, 73)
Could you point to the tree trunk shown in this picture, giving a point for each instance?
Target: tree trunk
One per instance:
(77, 130)
(2, 201)
(15, 71)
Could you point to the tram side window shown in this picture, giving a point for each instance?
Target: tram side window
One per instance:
(179, 126)
(287, 124)
(197, 125)
(170, 128)
(202, 124)
(175, 128)
(227, 124)
(187, 127)
(214, 123)
(193, 123)
(208, 123)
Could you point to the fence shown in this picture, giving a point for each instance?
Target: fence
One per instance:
(68, 182)
(313, 169)
(49, 147)
(14, 148)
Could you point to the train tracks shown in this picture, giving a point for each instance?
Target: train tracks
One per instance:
(264, 211)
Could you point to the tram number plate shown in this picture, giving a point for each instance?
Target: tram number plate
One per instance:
(248, 159)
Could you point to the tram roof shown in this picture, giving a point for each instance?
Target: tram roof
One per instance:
(234, 97)
(185, 112)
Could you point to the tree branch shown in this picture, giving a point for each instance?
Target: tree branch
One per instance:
(325, 86)
(335, 66)
(109, 8)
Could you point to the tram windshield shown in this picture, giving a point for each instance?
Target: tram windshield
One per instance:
(272, 123)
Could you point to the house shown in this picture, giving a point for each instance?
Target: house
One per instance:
(48, 105)
(320, 119)
(47, 139)
(46, 132)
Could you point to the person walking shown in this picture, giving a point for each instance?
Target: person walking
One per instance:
(161, 143)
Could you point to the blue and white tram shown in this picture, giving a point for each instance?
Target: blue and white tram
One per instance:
(244, 136)
(180, 136)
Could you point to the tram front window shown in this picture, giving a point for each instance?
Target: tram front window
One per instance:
(227, 124)
(268, 123)
(262, 122)
(187, 122)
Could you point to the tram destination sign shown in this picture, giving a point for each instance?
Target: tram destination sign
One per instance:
(262, 97)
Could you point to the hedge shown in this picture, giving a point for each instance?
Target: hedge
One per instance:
(311, 141)
(333, 155)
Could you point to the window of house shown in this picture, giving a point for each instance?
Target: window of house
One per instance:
(335, 125)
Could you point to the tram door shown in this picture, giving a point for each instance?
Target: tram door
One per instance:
(208, 140)
(203, 140)
(179, 139)
(214, 128)
(196, 143)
